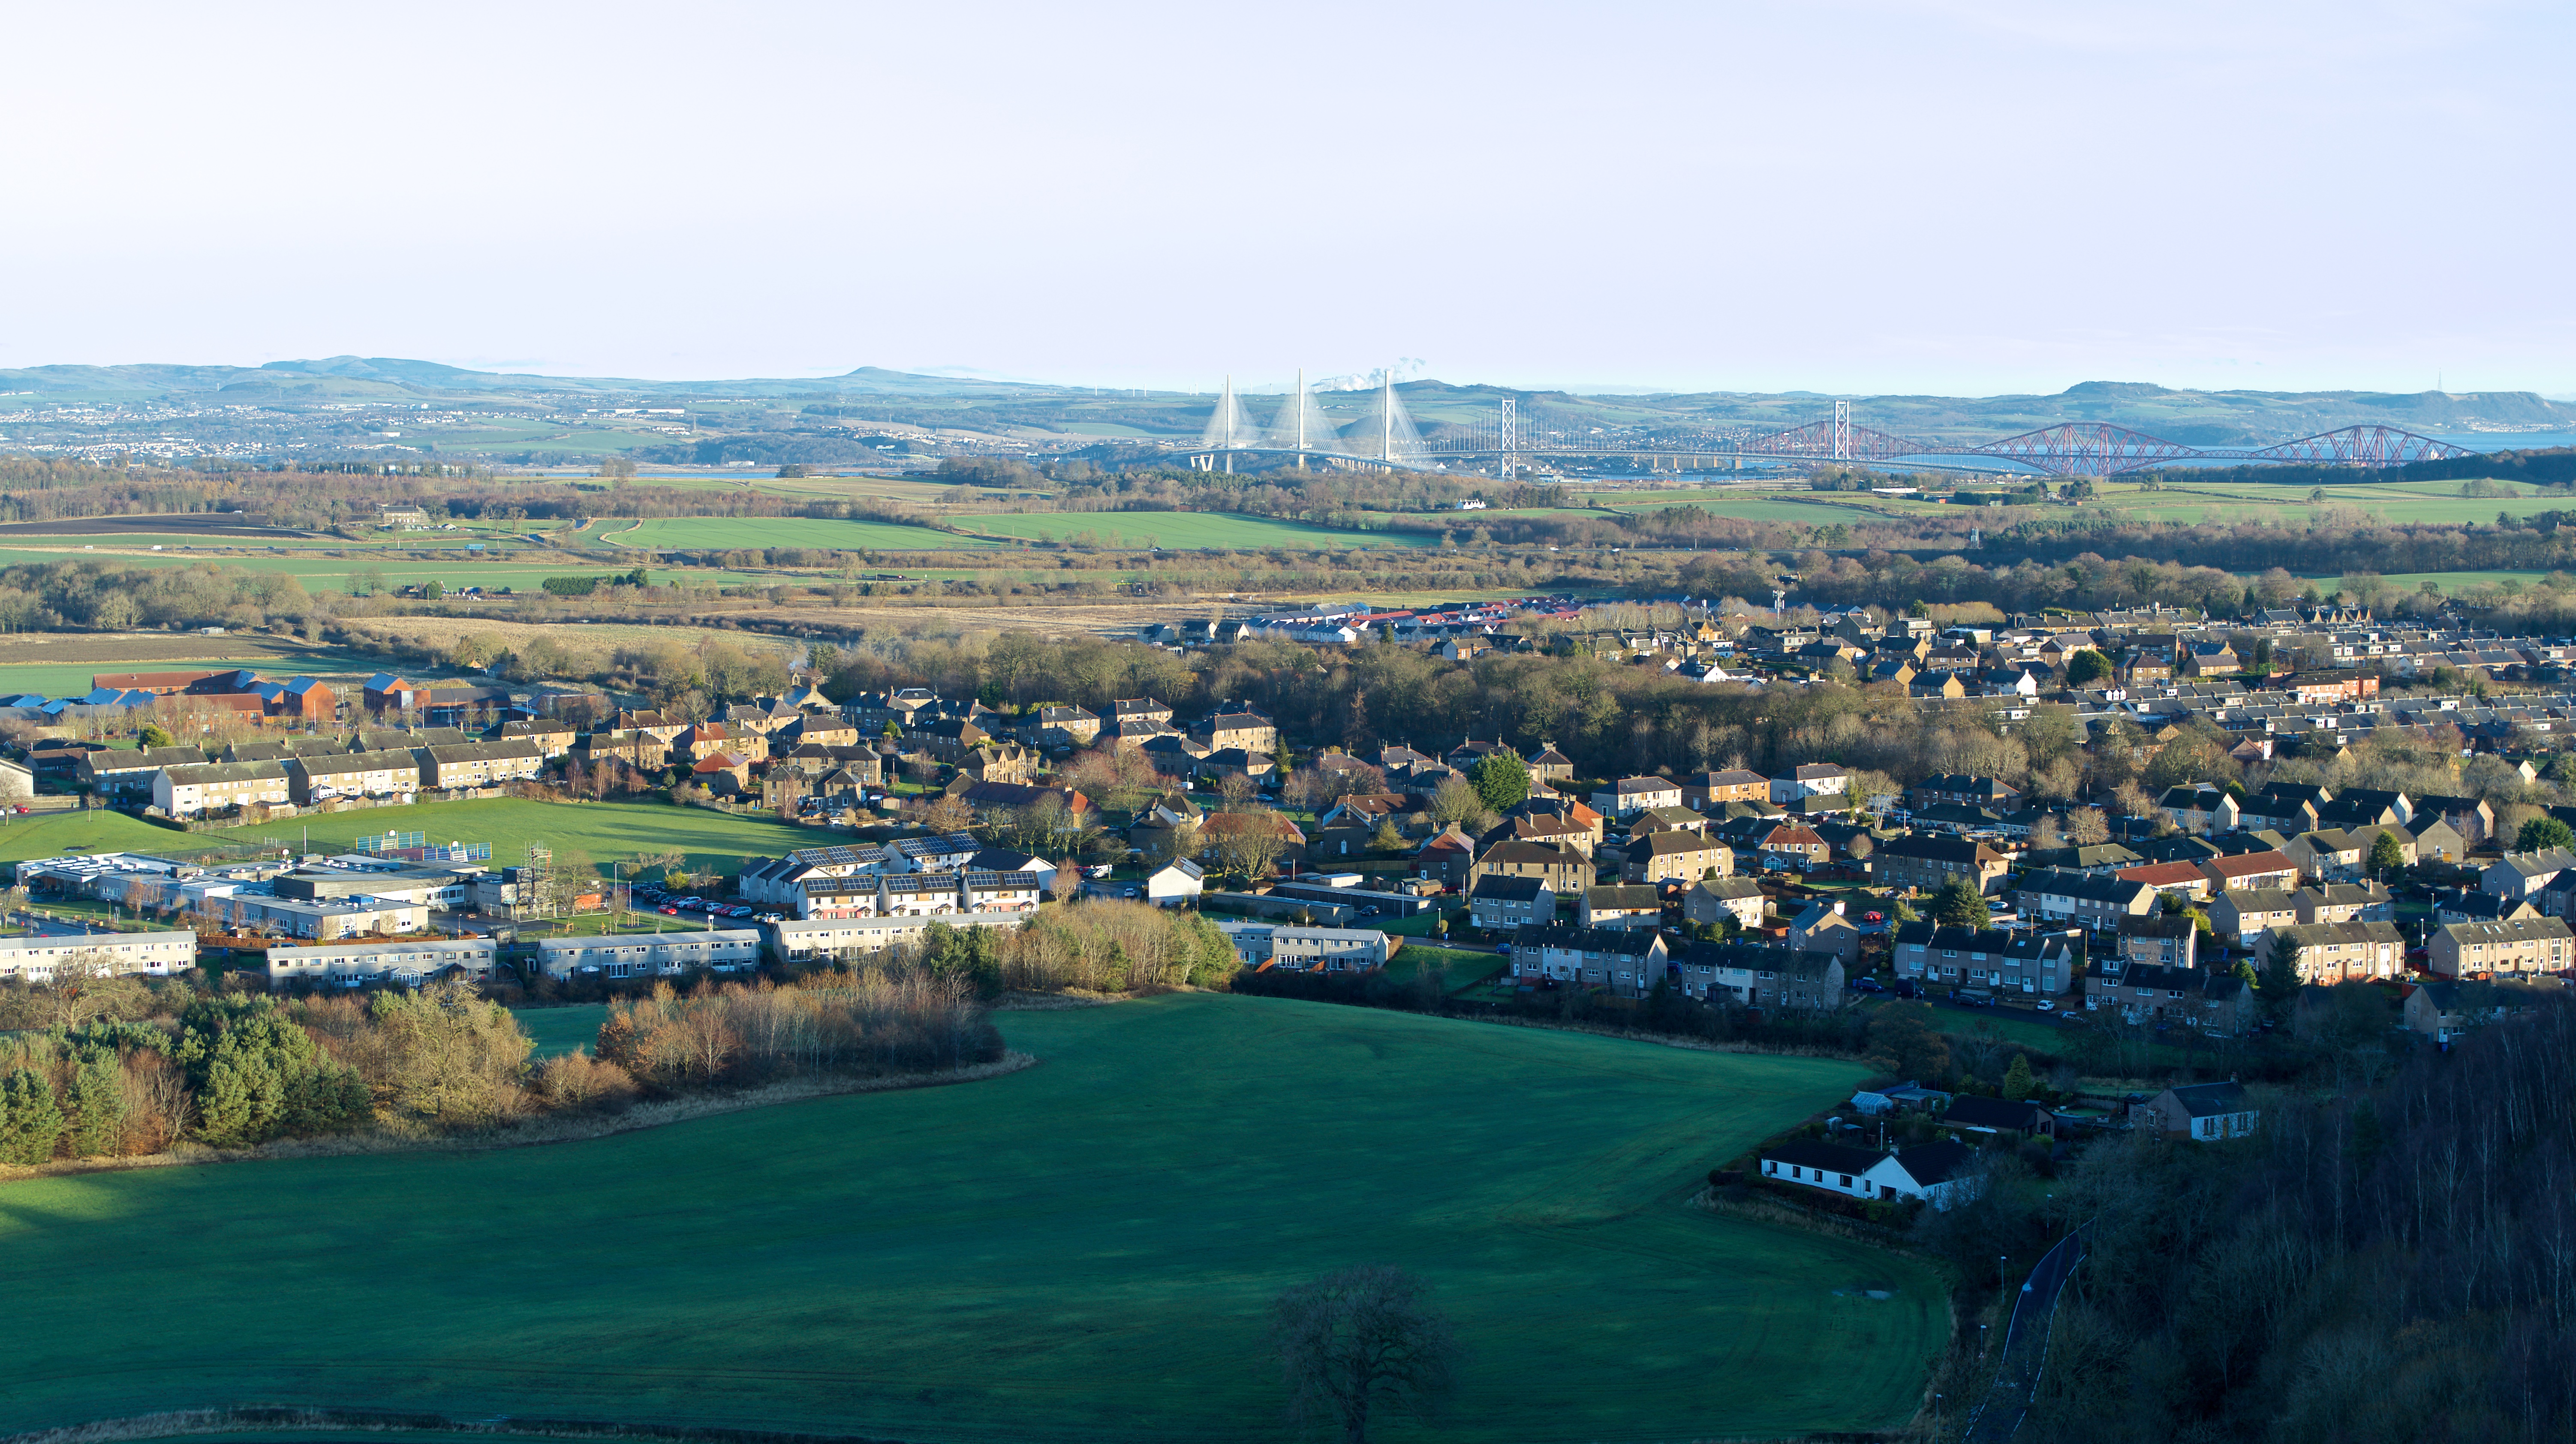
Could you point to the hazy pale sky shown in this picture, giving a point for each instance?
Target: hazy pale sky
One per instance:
(1963, 197)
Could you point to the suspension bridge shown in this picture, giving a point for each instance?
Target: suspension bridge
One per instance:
(1384, 436)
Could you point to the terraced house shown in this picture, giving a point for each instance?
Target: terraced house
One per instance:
(2038, 965)
(1626, 961)
(2499, 949)
(219, 787)
(481, 764)
(352, 774)
(1930, 862)
(2331, 953)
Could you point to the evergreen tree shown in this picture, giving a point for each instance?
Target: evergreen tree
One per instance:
(1502, 780)
(2018, 1084)
(2387, 857)
(31, 1123)
(2539, 835)
(97, 1101)
(1960, 905)
(2279, 985)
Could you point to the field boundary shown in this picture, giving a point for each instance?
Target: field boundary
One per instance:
(247, 1418)
(537, 1132)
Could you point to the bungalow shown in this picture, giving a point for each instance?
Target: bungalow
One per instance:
(1506, 903)
(1941, 1173)
(2201, 1112)
(2000, 1117)
(1833, 1167)
(1716, 899)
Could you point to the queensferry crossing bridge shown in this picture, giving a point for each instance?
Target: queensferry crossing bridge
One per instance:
(1386, 437)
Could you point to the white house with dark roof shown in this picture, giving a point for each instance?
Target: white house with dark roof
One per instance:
(1631, 795)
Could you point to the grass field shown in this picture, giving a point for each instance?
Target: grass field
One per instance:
(64, 679)
(784, 531)
(54, 834)
(1080, 1251)
(1186, 529)
(569, 1029)
(608, 831)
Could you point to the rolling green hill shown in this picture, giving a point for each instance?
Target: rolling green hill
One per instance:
(1080, 1251)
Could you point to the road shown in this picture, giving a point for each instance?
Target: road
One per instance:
(2026, 1344)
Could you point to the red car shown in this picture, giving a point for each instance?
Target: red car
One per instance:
(1873, 917)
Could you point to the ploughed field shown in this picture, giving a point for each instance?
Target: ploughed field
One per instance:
(1084, 1250)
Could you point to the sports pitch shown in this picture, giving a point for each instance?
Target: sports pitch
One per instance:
(1080, 1251)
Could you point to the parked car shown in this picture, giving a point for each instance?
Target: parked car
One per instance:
(1867, 985)
(1905, 988)
(1873, 917)
(2045, 1006)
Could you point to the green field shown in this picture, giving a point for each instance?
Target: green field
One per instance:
(608, 831)
(1080, 1251)
(784, 531)
(570, 1029)
(55, 834)
(1186, 530)
(65, 679)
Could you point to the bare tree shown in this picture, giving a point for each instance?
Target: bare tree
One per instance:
(1361, 1341)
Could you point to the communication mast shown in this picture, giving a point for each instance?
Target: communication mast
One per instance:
(536, 879)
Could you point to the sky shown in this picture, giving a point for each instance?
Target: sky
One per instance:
(1959, 197)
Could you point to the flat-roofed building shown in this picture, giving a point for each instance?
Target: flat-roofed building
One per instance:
(410, 964)
(645, 955)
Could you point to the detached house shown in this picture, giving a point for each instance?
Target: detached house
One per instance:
(2200, 1112)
